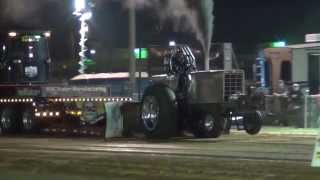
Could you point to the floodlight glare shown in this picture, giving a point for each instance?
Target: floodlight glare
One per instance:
(12, 34)
(172, 43)
(92, 51)
(79, 5)
(86, 16)
(47, 34)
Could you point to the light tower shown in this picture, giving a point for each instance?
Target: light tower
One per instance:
(83, 11)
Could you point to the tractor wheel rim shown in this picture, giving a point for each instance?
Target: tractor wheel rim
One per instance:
(209, 122)
(150, 113)
(27, 122)
(5, 121)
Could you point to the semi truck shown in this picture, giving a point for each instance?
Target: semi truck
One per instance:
(30, 104)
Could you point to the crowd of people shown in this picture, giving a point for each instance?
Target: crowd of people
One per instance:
(286, 104)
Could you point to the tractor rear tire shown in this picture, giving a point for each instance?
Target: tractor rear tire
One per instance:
(159, 112)
(253, 122)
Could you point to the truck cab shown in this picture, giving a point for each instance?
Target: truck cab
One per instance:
(25, 57)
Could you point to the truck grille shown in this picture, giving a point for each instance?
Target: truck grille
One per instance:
(233, 83)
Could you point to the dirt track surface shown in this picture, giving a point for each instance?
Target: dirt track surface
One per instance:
(238, 156)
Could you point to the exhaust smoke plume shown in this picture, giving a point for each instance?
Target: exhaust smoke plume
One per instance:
(206, 21)
(25, 12)
(195, 16)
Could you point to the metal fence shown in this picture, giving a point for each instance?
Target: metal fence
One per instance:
(312, 111)
(307, 116)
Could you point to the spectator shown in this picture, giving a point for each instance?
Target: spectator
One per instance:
(296, 95)
(281, 89)
(280, 103)
(296, 106)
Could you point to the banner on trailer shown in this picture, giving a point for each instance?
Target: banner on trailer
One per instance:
(114, 126)
(316, 154)
(76, 91)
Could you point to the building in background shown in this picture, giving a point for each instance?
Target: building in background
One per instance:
(298, 63)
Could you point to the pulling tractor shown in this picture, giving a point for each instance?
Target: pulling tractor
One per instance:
(205, 103)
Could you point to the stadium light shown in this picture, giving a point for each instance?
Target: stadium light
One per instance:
(47, 34)
(93, 52)
(172, 43)
(13, 34)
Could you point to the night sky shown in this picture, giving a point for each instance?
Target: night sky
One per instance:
(250, 22)
(246, 23)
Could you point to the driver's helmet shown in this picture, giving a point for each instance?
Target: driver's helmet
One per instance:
(179, 53)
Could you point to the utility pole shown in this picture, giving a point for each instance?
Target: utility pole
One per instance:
(132, 45)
